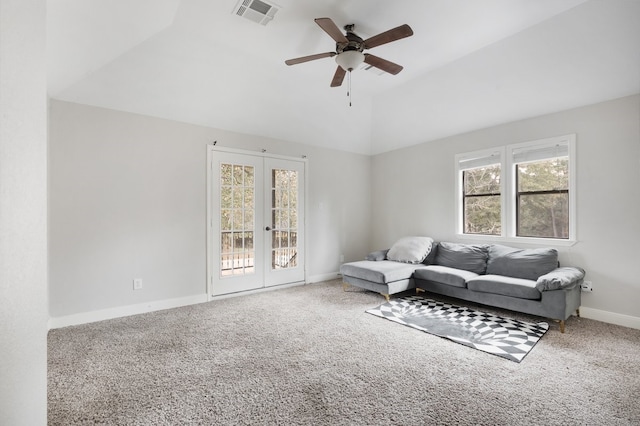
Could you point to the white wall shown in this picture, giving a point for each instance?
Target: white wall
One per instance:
(128, 200)
(414, 194)
(23, 213)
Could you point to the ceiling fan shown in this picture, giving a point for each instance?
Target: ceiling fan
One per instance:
(349, 49)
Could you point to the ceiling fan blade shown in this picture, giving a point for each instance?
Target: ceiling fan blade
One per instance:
(338, 77)
(383, 64)
(388, 36)
(309, 58)
(332, 29)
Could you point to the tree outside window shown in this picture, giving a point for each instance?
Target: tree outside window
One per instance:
(482, 201)
(543, 198)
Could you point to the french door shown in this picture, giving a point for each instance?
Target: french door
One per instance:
(256, 218)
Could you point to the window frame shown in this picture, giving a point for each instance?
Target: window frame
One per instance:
(468, 197)
(475, 159)
(508, 183)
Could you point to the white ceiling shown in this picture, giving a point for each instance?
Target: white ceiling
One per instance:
(470, 64)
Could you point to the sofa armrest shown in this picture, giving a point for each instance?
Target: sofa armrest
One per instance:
(377, 255)
(564, 278)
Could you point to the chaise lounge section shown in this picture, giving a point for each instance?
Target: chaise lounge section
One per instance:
(523, 280)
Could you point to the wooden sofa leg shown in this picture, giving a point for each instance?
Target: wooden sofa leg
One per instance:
(386, 296)
(345, 286)
(420, 290)
(561, 323)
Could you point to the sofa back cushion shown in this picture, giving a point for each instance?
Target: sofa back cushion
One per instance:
(470, 257)
(410, 249)
(431, 257)
(528, 264)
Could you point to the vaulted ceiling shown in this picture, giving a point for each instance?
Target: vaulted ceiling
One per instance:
(470, 64)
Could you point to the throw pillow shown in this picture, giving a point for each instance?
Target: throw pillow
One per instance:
(562, 278)
(377, 256)
(410, 249)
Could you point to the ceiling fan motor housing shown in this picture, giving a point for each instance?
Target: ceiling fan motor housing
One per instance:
(355, 42)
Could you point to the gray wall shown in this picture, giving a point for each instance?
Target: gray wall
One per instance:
(128, 200)
(23, 213)
(414, 193)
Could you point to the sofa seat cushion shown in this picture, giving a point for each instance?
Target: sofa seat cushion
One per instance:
(445, 275)
(506, 286)
(381, 272)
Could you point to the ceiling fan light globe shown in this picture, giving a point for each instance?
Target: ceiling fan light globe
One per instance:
(350, 59)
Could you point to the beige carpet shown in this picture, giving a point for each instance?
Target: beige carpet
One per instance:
(311, 355)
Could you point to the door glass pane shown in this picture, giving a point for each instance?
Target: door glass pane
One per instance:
(225, 220)
(283, 222)
(238, 175)
(225, 174)
(248, 176)
(237, 190)
(248, 240)
(226, 245)
(225, 197)
(237, 198)
(284, 201)
(248, 220)
(238, 219)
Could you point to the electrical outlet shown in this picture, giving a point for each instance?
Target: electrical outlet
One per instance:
(587, 286)
(137, 284)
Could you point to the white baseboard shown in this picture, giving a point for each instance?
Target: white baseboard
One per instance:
(610, 317)
(323, 277)
(124, 311)
(256, 291)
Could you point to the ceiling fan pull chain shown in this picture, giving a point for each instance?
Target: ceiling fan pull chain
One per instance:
(349, 89)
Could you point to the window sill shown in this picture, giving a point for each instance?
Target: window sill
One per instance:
(493, 239)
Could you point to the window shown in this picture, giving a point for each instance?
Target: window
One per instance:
(542, 198)
(237, 227)
(482, 200)
(521, 191)
(481, 193)
(284, 217)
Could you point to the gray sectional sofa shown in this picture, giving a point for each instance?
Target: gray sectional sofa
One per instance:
(524, 280)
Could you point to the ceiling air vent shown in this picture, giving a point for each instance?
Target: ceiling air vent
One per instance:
(256, 10)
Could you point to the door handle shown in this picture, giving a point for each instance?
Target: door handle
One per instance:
(268, 228)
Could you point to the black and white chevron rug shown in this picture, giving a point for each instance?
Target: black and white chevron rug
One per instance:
(504, 337)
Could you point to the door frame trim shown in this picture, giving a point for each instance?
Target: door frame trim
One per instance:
(211, 150)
